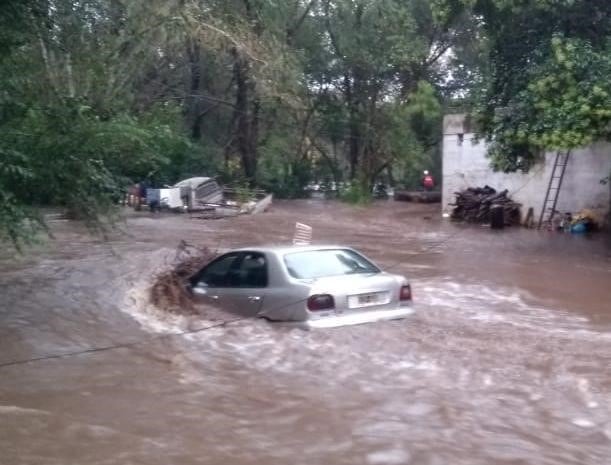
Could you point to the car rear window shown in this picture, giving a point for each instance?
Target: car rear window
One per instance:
(331, 262)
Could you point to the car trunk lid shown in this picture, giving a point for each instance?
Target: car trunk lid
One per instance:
(356, 292)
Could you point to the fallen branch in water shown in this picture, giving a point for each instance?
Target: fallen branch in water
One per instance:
(170, 291)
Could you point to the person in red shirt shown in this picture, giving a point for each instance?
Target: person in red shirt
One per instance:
(427, 181)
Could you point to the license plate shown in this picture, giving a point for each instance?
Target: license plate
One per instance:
(368, 300)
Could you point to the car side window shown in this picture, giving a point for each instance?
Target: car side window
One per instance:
(217, 273)
(240, 269)
(252, 270)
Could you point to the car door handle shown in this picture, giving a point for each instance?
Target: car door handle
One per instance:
(214, 297)
(254, 298)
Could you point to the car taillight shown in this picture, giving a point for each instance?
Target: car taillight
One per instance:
(320, 302)
(405, 293)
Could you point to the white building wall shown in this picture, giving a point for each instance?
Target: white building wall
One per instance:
(465, 165)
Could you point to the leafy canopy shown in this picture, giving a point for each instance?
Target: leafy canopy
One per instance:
(547, 85)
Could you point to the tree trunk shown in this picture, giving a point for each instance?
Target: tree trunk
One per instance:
(354, 127)
(193, 98)
(116, 11)
(247, 123)
(609, 213)
(354, 148)
(391, 178)
(250, 167)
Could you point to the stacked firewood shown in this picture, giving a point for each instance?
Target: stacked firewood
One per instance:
(475, 204)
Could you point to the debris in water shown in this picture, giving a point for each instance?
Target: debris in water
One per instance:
(303, 234)
(170, 290)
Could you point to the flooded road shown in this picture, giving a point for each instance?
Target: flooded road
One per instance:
(506, 361)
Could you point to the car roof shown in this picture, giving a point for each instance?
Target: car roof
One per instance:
(284, 249)
(193, 182)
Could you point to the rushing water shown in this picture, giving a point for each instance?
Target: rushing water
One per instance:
(506, 361)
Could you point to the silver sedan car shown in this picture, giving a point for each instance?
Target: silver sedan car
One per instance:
(318, 286)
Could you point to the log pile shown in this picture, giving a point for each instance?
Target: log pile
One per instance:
(475, 203)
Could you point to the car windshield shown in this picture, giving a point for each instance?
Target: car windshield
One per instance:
(331, 262)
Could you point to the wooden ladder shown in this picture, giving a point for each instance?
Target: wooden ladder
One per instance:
(553, 188)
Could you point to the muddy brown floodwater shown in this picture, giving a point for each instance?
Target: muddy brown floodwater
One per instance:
(506, 361)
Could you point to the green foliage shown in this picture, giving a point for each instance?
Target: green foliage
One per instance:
(281, 169)
(411, 134)
(566, 104)
(18, 222)
(378, 106)
(96, 95)
(71, 134)
(67, 156)
(424, 113)
(549, 89)
(356, 193)
(243, 192)
(289, 181)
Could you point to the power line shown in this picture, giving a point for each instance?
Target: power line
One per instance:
(135, 343)
(117, 346)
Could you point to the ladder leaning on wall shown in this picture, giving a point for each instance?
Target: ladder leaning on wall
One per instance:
(553, 188)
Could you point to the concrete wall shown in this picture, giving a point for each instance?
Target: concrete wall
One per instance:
(465, 165)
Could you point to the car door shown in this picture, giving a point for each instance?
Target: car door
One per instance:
(210, 282)
(247, 284)
(235, 281)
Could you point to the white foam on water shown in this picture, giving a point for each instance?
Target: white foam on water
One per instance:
(137, 302)
(388, 457)
(101, 430)
(503, 305)
(21, 410)
(412, 365)
(416, 266)
(583, 423)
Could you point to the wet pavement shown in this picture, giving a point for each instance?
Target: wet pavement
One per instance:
(506, 361)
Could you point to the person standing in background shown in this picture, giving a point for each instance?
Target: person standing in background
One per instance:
(427, 181)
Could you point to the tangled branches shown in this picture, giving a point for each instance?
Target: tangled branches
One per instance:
(170, 291)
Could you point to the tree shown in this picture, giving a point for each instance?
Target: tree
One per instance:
(98, 94)
(68, 132)
(371, 60)
(550, 88)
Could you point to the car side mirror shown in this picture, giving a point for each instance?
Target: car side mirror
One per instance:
(200, 288)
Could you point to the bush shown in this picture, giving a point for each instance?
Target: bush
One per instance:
(356, 193)
(64, 155)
